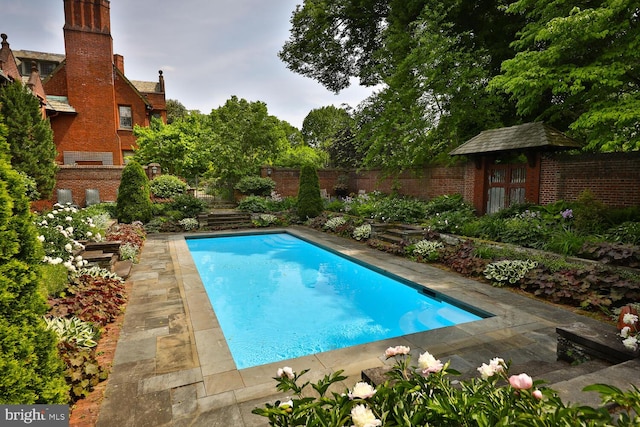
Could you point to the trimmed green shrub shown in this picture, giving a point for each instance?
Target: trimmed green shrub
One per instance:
(310, 202)
(31, 369)
(189, 206)
(256, 204)
(255, 186)
(167, 186)
(134, 197)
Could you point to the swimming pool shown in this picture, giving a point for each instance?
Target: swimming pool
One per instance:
(278, 297)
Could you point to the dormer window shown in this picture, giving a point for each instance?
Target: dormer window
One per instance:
(126, 121)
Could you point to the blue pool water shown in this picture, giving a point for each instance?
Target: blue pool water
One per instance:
(277, 297)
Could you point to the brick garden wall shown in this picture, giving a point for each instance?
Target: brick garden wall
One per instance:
(105, 179)
(614, 178)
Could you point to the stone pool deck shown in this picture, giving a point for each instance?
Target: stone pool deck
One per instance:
(172, 366)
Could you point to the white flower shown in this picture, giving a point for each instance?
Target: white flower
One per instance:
(363, 417)
(631, 343)
(629, 318)
(429, 364)
(41, 238)
(50, 216)
(89, 234)
(286, 371)
(624, 332)
(68, 218)
(495, 365)
(68, 247)
(362, 390)
(286, 405)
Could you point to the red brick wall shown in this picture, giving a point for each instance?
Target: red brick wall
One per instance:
(105, 179)
(614, 178)
(125, 95)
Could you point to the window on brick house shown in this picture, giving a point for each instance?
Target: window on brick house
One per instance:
(126, 121)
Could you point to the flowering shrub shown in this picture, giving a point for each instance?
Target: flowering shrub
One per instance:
(333, 223)
(60, 232)
(508, 271)
(425, 395)
(629, 332)
(362, 232)
(189, 224)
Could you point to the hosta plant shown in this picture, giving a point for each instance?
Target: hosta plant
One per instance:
(427, 249)
(362, 232)
(333, 223)
(265, 220)
(189, 224)
(508, 271)
(73, 330)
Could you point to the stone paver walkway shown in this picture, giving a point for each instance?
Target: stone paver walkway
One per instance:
(173, 368)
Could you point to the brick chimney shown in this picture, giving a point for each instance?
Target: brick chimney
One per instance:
(90, 78)
(118, 60)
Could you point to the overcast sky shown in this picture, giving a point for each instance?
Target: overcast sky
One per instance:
(207, 50)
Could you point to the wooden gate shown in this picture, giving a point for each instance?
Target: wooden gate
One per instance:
(505, 185)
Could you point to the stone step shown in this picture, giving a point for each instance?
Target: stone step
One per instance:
(622, 375)
(100, 259)
(105, 246)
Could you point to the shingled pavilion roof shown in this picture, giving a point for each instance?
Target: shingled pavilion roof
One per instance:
(528, 136)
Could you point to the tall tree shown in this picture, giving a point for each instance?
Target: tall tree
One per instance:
(578, 67)
(248, 137)
(175, 111)
(432, 58)
(30, 137)
(182, 148)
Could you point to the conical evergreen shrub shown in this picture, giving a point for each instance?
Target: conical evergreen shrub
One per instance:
(310, 203)
(31, 371)
(134, 195)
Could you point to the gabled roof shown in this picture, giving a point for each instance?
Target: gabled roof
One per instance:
(528, 136)
(8, 64)
(146, 87)
(40, 56)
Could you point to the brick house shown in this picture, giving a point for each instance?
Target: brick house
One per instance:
(92, 106)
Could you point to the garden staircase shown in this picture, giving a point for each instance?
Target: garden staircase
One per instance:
(106, 255)
(397, 233)
(224, 218)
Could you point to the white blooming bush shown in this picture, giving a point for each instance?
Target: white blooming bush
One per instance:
(362, 232)
(60, 232)
(335, 222)
(425, 395)
(508, 271)
(629, 333)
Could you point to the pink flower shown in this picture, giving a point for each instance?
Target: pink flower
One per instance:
(396, 351)
(537, 394)
(429, 364)
(521, 382)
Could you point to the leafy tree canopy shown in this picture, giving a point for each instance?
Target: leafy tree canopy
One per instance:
(29, 136)
(432, 60)
(578, 66)
(175, 110)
